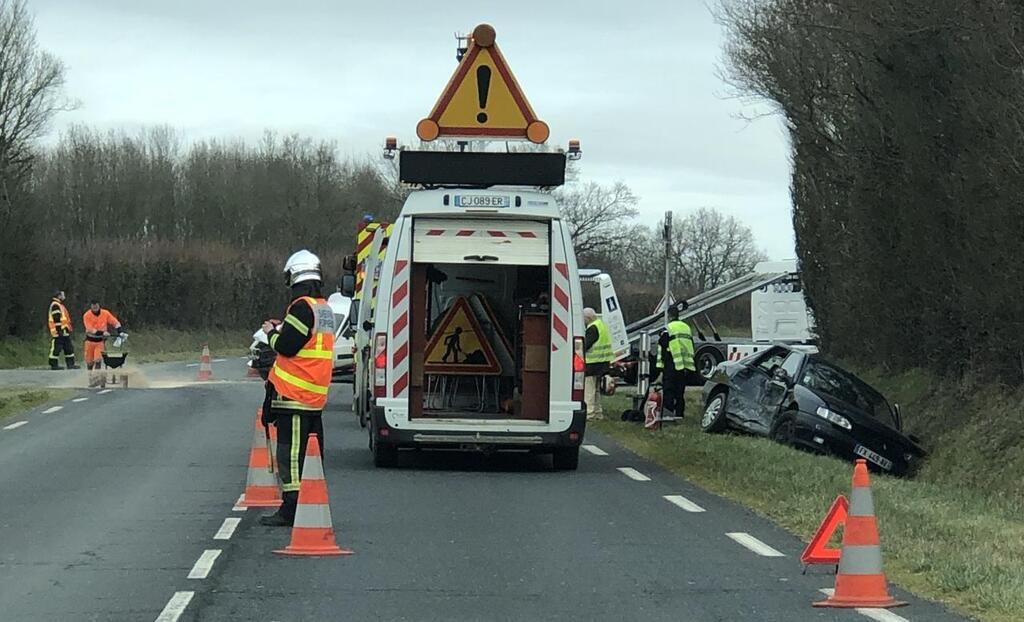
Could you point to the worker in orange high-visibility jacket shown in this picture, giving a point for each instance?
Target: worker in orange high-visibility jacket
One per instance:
(99, 323)
(59, 322)
(301, 375)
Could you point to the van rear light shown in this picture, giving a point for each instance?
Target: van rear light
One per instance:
(579, 369)
(380, 364)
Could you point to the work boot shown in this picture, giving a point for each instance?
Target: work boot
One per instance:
(285, 515)
(275, 520)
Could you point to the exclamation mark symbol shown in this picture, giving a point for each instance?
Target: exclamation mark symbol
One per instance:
(483, 85)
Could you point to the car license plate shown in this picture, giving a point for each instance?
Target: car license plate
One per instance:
(481, 200)
(864, 452)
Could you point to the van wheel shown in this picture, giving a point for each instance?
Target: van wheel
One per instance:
(385, 455)
(565, 458)
(713, 419)
(706, 361)
(363, 417)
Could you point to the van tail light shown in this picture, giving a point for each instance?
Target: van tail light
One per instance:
(579, 369)
(380, 364)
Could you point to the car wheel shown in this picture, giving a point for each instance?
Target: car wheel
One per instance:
(713, 419)
(566, 458)
(707, 360)
(784, 431)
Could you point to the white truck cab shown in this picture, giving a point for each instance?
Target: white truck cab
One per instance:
(477, 328)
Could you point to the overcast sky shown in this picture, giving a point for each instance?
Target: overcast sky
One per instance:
(637, 82)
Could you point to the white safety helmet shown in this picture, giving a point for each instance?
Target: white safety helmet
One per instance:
(302, 266)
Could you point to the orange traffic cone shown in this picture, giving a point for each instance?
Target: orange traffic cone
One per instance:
(313, 532)
(205, 371)
(252, 372)
(261, 489)
(860, 581)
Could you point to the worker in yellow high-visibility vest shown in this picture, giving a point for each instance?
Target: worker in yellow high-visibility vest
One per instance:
(597, 352)
(675, 359)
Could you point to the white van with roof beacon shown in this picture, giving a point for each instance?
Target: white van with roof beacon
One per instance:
(474, 339)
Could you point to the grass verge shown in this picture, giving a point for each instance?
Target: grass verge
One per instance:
(145, 346)
(16, 401)
(959, 544)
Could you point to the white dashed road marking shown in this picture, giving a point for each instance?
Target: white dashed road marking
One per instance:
(204, 564)
(104, 391)
(15, 426)
(879, 615)
(594, 449)
(175, 607)
(633, 474)
(52, 409)
(227, 529)
(218, 360)
(191, 364)
(754, 544)
(684, 503)
(80, 399)
(238, 507)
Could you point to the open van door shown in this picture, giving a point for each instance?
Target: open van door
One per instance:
(611, 312)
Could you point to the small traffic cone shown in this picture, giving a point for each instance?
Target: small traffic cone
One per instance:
(313, 531)
(252, 372)
(261, 489)
(205, 370)
(860, 581)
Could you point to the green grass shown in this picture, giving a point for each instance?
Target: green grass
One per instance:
(16, 401)
(945, 536)
(144, 346)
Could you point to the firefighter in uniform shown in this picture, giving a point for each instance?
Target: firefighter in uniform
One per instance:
(675, 360)
(597, 352)
(301, 375)
(59, 321)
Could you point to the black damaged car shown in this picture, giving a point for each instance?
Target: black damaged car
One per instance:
(802, 400)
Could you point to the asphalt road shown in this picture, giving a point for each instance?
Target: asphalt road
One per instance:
(108, 503)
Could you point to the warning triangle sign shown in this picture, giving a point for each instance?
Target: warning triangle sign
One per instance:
(483, 99)
(818, 551)
(458, 346)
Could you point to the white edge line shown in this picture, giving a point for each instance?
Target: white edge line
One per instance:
(204, 564)
(15, 426)
(191, 364)
(755, 545)
(594, 449)
(633, 474)
(684, 503)
(80, 399)
(877, 614)
(218, 360)
(104, 391)
(238, 507)
(52, 409)
(227, 529)
(175, 607)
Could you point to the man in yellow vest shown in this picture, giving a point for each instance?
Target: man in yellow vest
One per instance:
(597, 349)
(59, 322)
(675, 356)
(301, 375)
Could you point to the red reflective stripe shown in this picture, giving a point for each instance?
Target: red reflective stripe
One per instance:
(435, 232)
(400, 353)
(563, 269)
(400, 265)
(400, 384)
(560, 327)
(497, 234)
(400, 294)
(561, 297)
(531, 234)
(465, 232)
(400, 324)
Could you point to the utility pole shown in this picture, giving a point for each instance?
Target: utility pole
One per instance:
(667, 234)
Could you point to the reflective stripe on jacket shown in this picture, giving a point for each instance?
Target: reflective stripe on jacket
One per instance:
(57, 306)
(302, 380)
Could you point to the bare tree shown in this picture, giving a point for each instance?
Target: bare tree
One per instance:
(597, 215)
(712, 248)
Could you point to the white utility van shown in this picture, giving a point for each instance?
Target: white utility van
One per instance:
(475, 338)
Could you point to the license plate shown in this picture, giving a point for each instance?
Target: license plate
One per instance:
(481, 200)
(864, 452)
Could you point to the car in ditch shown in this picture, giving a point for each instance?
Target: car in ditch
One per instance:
(800, 399)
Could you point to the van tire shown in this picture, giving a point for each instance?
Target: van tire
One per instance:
(565, 458)
(385, 455)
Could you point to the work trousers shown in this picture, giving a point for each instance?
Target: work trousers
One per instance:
(62, 344)
(592, 396)
(673, 389)
(293, 430)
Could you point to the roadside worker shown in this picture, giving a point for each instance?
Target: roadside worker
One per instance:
(675, 358)
(98, 324)
(300, 377)
(597, 347)
(59, 321)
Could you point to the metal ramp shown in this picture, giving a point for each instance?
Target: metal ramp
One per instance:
(704, 301)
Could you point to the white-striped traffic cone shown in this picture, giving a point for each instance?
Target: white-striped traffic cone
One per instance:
(313, 531)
